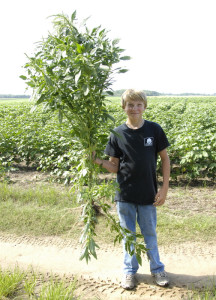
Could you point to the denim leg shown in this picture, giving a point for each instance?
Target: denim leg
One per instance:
(127, 218)
(147, 220)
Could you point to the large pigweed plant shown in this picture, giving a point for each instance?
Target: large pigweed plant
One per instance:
(71, 73)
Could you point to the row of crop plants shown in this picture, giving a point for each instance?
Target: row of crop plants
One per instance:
(38, 139)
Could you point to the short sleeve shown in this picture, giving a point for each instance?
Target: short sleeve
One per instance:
(112, 148)
(162, 141)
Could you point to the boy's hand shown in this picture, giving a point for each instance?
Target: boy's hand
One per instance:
(160, 197)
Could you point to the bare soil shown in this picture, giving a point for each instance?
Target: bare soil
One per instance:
(190, 266)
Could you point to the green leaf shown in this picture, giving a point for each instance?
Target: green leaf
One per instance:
(73, 16)
(86, 90)
(48, 80)
(95, 30)
(84, 254)
(102, 32)
(93, 51)
(60, 116)
(104, 67)
(68, 78)
(115, 42)
(125, 58)
(41, 99)
(116, 133)
(92, 246)
(110, 117)
(80, 48)
(31, 84)
(139, 259)
(77, 77)
(23, 77)
(110, 93)
(123, 71)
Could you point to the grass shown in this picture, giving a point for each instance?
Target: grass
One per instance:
(10, 282)
(38, 211)
(43, 195)
(205, 293)
(182, 227)
(50, 210)
(19, 285)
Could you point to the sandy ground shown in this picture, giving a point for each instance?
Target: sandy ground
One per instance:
(188, 265)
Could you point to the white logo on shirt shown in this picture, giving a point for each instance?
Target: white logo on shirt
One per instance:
(148, 141)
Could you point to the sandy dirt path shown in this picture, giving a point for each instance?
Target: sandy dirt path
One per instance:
(188, 265)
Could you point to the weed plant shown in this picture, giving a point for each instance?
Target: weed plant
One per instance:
(205, 293)
(16, 284)
(10, 282)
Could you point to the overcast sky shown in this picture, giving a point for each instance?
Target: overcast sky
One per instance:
(172, 42)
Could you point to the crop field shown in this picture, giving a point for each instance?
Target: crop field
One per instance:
(37, 213)
(13, 100)
(38, 139)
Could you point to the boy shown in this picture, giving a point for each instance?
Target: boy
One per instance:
(133, 157)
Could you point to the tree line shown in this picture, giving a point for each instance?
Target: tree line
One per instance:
(9, 96)
(118, 93)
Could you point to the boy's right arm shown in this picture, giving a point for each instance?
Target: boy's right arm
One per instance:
(112, 165)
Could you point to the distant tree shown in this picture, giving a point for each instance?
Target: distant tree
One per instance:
(13, 96)
(118, 93)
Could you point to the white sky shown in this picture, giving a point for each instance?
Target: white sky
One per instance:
(172, 42)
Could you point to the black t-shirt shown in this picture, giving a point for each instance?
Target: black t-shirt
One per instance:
(137, 152)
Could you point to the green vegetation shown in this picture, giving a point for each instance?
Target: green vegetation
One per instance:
(69, 73)
(205, 293)
(14, 100)
(9, 283)
(39, 140)
(16, 284)
(180, 226)
(190, 125)
(19, 285)
(36, 139)
(43, 210)
(49, 210)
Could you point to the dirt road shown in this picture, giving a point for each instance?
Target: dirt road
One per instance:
(188, 265)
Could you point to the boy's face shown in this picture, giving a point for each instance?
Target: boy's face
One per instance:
(134, 109)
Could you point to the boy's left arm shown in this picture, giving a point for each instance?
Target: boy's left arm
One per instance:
(162, 193)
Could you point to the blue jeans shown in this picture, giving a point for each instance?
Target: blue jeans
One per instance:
(147, 219)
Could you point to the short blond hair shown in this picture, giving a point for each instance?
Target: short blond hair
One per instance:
(134, 95)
